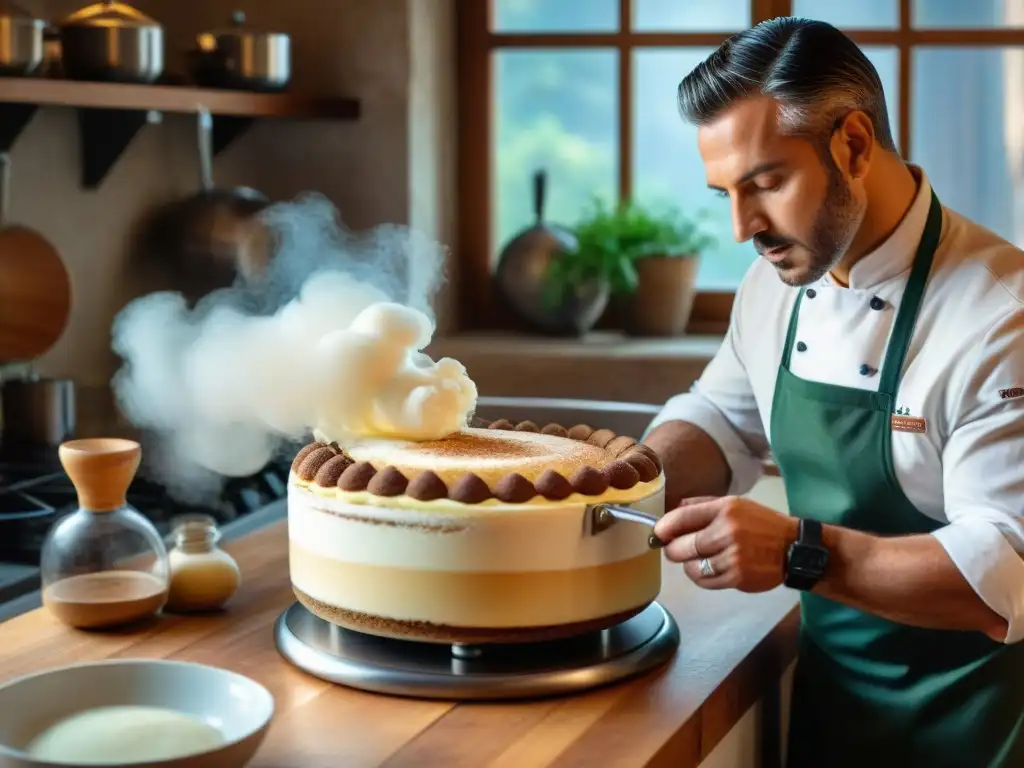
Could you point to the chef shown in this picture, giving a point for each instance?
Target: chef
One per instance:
(876, 353)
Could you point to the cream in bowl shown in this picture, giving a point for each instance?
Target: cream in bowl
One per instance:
(153, 713)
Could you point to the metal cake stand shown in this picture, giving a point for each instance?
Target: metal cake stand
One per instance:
(514, 671)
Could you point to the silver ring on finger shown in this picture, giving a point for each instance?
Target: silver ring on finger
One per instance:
(706, 569)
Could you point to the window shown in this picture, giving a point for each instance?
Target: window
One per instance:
(586, 92)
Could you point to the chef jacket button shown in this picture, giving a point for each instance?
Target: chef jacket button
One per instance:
(811, 293)
(866, 370)
(877, 303)
(801, 347)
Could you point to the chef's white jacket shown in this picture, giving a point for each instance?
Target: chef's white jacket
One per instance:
(964, 375)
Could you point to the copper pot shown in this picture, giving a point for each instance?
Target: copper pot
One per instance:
(111, 41)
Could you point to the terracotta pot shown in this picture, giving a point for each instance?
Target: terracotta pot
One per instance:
(664, 295)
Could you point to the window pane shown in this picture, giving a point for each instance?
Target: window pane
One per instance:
(555, 15)
(689, 16)
(887, 62)
(667, 165)
(973, 14)
(557, 111)
(847, 14)
(968, 132)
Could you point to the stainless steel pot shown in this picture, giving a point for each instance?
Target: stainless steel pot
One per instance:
(21, 41)
(113, 42)
(242, 57)
(211, 237)
(37, 412)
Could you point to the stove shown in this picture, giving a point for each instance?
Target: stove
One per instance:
(35, 492)
(476, 672)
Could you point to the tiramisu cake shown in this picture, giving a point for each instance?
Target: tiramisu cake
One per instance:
(482, 536)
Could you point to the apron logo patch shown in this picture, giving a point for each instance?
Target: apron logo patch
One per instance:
(1009, 394)
(909, 424)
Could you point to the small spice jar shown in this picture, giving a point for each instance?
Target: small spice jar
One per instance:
(202, 575)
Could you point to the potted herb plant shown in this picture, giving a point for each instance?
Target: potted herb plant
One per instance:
(648, 258)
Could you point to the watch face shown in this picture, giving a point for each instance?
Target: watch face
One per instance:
(810, 559)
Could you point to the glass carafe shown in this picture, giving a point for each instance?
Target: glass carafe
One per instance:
(104, 564)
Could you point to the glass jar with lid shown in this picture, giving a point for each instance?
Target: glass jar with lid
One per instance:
(203, 576)
(104, 564)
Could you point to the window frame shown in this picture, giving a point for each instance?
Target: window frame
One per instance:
(477, 308)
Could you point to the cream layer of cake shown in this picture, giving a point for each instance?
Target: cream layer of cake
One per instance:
(486, 565)
(489, 454)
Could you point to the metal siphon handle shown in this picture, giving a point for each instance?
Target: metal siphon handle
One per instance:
(204, 125)
(5, 186)
(604, 516)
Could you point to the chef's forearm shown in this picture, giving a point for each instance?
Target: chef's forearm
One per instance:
(908, 579)
(694, 464)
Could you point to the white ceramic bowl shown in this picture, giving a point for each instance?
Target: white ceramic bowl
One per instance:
(237, 706)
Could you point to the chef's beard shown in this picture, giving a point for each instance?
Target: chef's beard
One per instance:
(835, 225)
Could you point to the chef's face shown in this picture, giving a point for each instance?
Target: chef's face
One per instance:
(788, 196)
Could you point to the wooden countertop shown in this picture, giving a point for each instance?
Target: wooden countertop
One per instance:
(734, 649)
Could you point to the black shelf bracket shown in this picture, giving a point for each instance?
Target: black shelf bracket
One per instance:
(227, 128)
(13, 120)
(105, 134)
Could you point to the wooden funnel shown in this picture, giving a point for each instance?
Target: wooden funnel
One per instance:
(101, 470)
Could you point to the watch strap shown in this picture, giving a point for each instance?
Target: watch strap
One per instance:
(810, 532)
(800, 581)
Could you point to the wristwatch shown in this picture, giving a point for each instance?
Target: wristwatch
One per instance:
(807, 557)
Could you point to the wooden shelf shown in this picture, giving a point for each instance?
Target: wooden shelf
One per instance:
(111, 114)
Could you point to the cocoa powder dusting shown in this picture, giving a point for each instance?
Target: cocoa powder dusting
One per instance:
(589, 481)
(314, 460)
(357, 477)
(470, 489)
(388, 482)
(553, 486)
(581, 431)
(621, 475)
(514, 489)
(427, 487)
(620, 445)
(601, 437)
(651, 454)
(469, 446)
(555, 429)
(644, 466)
(302, 454)
(330, 473)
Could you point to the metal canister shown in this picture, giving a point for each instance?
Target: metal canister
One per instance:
(37, 412)
(21, 41)
(243, 57)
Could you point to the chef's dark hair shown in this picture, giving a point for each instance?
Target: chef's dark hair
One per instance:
(813, 70)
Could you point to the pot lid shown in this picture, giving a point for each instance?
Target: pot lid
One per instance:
(238, 26)
(108, 14)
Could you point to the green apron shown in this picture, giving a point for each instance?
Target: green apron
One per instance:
(869, 692)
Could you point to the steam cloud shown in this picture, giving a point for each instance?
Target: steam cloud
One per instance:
(329, 342)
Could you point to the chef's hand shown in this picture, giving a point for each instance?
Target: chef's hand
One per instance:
(745, 542)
